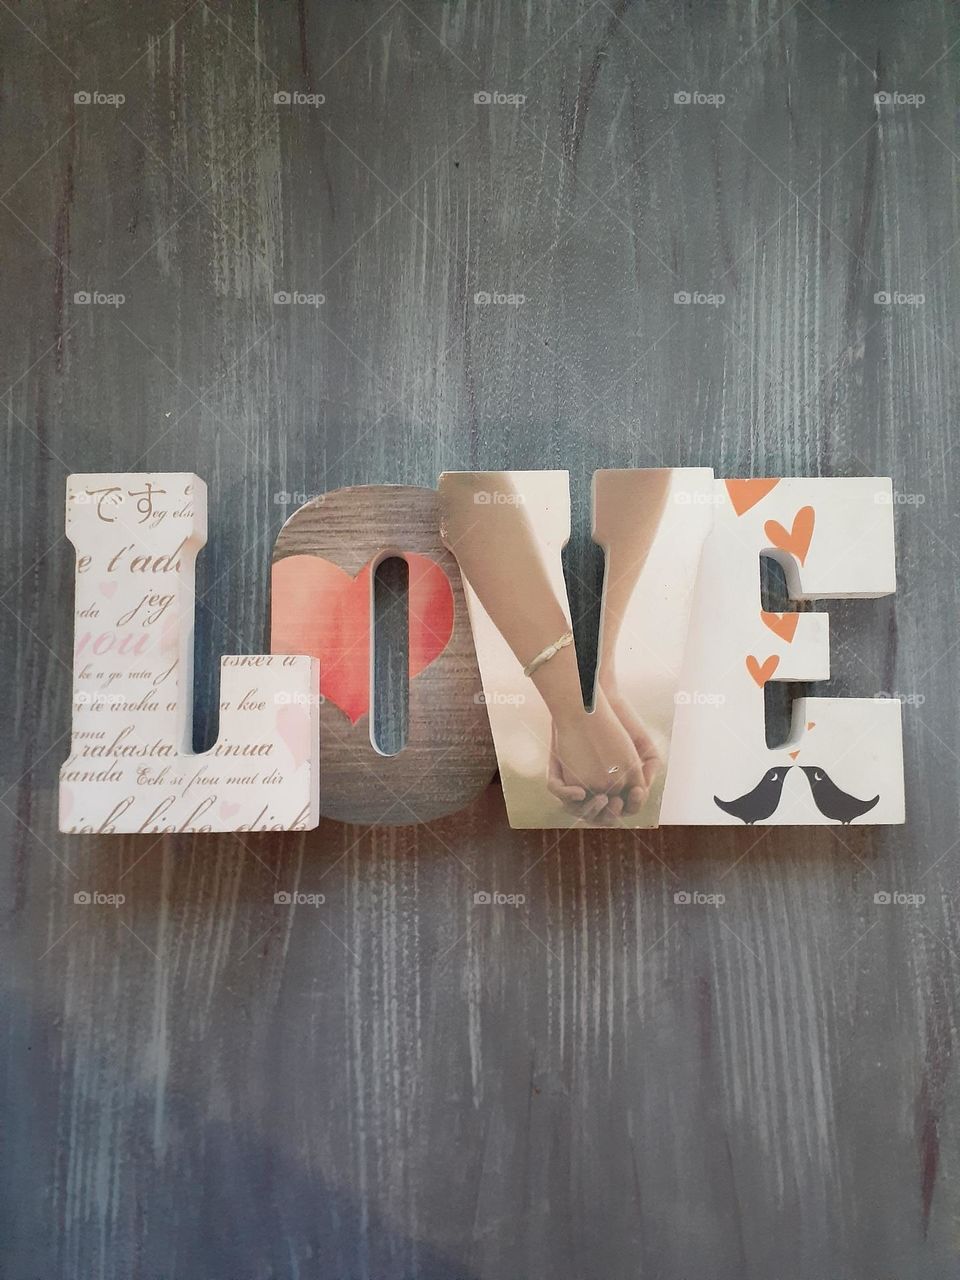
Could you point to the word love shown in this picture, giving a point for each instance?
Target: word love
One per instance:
(676, 731)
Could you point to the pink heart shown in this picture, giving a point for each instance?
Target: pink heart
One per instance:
(293, 725)
(319, 610)
(109, 589)
(228, 809)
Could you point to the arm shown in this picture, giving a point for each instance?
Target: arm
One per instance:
(628, 507)
(592, 755)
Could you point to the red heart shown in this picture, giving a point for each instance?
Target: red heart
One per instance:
(745, 494)
(761, 672)
(783, 625)
(797, 541)
(319, 610)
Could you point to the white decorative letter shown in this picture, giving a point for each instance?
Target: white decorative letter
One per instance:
(844, 759)
(131, 768)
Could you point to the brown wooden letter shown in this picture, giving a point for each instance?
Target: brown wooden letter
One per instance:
(324, 563)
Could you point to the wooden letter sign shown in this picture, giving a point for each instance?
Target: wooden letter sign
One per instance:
(675, 734)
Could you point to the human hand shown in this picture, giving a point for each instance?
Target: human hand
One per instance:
(646, 750)
(594, 767)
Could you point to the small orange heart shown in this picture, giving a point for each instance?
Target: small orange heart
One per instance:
(783, 625)
(793, 754)
(811, 724)
(761, 672)
(797, 541)
(745, 494)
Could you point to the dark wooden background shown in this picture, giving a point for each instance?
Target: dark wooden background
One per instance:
(202, 1085)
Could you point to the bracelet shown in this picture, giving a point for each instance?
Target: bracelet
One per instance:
(546, 654)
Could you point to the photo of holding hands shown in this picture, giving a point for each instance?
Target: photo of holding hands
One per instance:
(560, 764)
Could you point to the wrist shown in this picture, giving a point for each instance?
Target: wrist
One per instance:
(558, 683)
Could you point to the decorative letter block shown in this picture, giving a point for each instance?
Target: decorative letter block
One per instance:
(323, 569)
(844, 760)
(131, 768)
(560, 765)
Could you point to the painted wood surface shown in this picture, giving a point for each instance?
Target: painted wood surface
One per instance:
(225, 1076)
(323, 603)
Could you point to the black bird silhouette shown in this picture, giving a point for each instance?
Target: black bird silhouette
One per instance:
(761, 801)
(830, 800)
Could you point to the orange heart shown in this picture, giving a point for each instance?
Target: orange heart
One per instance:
(797, 541)
(745, 494)
(811, 724)
(761, 672)
(793, 754)
(783, 625)
(319, 610)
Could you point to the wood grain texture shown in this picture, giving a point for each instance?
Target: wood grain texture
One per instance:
(601, 1082)
(448, 757)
